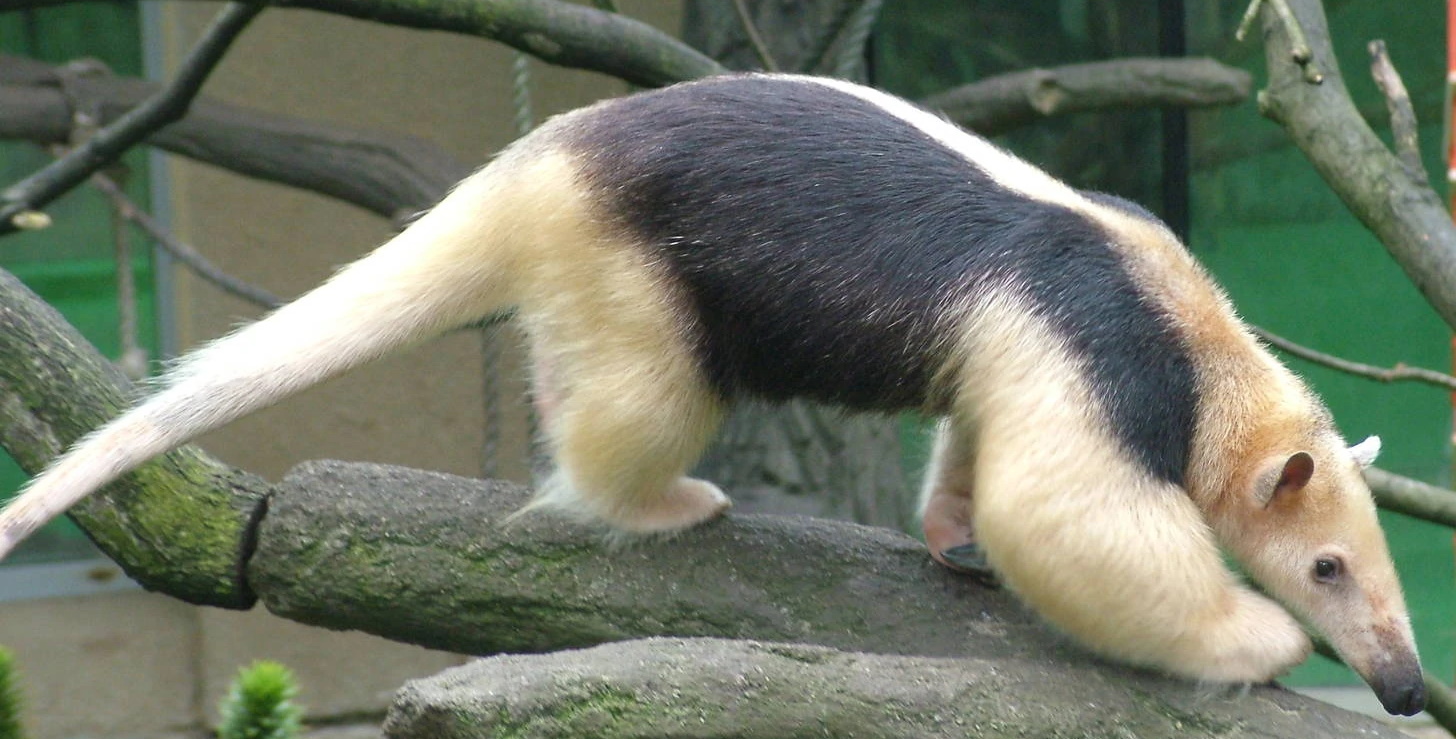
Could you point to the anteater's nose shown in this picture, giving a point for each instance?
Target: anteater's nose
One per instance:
(1404, 699)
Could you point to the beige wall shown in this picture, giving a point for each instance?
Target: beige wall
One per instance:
(135, 664)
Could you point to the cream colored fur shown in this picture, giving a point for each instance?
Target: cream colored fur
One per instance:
(1124, 563)
(629, 410)
(1255, 413)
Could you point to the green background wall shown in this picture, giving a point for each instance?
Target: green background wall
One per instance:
(71, 264)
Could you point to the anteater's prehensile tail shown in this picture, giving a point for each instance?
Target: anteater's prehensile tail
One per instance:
(415, 286)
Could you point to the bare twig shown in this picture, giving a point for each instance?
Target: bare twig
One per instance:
(1251, 14)
(760, 49)
(1398, 373)
(1403, 125)
(111, 142)
(1299, 49)
(183, 252)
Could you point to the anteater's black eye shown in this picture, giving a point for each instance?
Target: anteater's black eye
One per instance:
(1327, 569)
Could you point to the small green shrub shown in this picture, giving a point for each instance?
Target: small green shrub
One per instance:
(10, 727)
(260, 704)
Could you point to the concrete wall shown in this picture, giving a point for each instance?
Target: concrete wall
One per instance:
(135, 664)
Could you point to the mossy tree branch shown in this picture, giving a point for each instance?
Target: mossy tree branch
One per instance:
(862, 619)
(180, 524)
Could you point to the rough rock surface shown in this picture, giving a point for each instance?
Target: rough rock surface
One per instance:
(718, 688)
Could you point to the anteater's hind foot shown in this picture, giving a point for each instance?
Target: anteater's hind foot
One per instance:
(682, 504)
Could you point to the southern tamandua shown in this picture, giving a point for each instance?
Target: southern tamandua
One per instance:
(1108, 421)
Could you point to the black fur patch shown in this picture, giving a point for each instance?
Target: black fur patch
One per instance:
(821, 240)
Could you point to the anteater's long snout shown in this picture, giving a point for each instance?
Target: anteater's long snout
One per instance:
(1399, 685)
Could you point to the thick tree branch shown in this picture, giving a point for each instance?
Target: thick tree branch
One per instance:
(998, 104)
(388, 175)
(181, 524)
(431, 559)
(1398, 373)
(109, 143)
(181, 251)
(1406, 215)
(560, 33)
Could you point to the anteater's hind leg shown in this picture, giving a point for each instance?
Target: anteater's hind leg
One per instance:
(623, 438)
(945, 503)
(626, 407)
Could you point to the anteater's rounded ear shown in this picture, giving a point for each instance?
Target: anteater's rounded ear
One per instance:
(1286, 480)
(1366, 451)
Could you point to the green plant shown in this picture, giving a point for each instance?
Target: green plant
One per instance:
(10, 727)
(260, 704)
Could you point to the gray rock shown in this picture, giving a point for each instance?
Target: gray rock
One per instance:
(706, 688)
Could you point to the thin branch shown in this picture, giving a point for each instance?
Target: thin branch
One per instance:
(182, 252)
(384, 174)
(850, 61)
(1403, 127)
(1399, 373)
(111, 142)
(765, 58)
(553, 31)
(1299, 48)
(998, 104)
(525, 116)
(826, 36)
(1251, 14)
(1412, 497)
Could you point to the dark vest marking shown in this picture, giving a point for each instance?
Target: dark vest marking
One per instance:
(820, 240)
